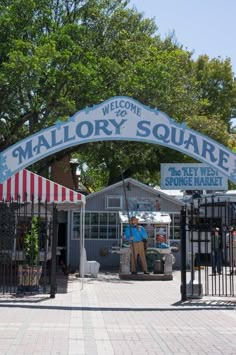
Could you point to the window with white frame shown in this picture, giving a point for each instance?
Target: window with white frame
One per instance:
(114, 202)
(175, 225)
(106, 225)
(98, 225)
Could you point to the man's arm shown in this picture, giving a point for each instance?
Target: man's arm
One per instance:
(128, 233)
(144, 233)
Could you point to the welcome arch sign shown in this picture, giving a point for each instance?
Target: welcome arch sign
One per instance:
(118, 118)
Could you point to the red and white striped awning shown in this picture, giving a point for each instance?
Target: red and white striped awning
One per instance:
(28, 186)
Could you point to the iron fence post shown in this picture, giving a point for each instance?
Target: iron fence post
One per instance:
(53, 285)
(183, 254)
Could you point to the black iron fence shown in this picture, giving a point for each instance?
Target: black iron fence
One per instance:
(28, 239)
(208, 233)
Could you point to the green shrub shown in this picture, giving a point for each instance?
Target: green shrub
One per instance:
(31, 243)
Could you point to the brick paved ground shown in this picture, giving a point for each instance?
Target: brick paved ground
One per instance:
(112, 316)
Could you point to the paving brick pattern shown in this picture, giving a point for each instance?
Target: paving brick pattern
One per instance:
(112, 316)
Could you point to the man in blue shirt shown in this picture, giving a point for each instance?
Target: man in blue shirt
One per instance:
(136, 234)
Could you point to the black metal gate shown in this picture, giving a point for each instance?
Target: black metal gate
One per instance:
(28, 240)
(208, 259)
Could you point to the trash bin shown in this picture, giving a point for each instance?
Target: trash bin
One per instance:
(158, 267)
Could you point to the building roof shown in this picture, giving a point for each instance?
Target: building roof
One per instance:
(139, 184)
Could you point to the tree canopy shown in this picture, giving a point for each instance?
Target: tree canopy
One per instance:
(57, 57)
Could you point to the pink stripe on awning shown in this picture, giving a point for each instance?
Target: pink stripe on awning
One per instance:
(8, 197)
(40, 188)
(16, 187)
(32, 188)
(48, 191)
(24, 188)
(71, 196)
(55, 192)
(63, 193)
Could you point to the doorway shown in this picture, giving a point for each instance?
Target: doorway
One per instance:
(62, 241)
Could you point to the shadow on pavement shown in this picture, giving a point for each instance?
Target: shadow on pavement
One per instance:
(113, 309)
(207, 303)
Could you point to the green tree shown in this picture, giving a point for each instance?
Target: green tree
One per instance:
(216, 87)
(57, 57)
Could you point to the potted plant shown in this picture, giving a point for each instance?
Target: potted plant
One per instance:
(30, 271)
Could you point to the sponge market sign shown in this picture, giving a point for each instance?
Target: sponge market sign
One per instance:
(192, 177)
(118, 118)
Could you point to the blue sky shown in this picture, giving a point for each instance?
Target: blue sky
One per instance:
(202, 26)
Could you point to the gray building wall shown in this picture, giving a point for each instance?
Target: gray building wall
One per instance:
(97, 202)
(100, 250)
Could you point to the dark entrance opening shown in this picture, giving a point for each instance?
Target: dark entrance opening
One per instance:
(62, 247)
